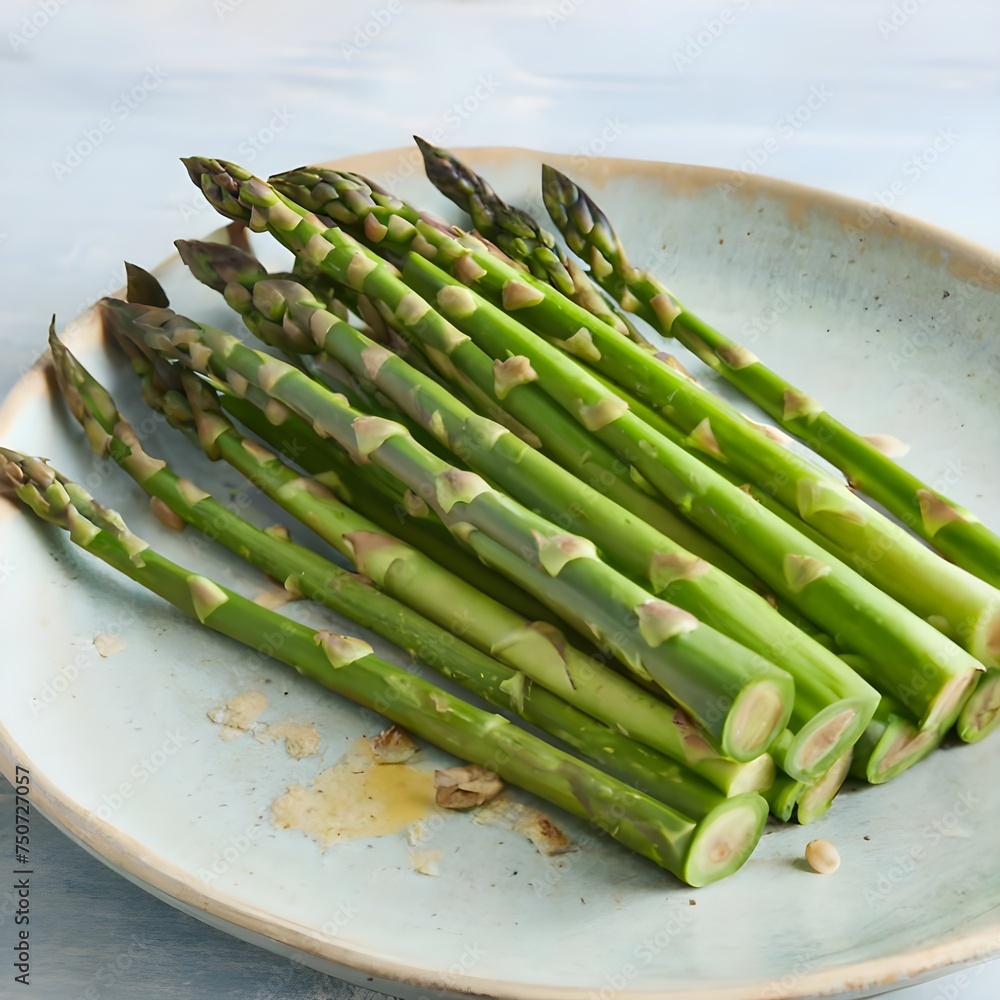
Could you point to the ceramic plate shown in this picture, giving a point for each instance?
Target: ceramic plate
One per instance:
(890, 322)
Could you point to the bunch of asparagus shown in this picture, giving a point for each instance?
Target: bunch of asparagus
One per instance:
(545, 508)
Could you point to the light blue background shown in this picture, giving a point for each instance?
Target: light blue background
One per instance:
(273, 85)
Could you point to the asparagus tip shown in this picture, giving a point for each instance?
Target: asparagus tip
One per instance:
(143, 287)
(219, 181)
(551, 177)
(11, 474)
(217, 264)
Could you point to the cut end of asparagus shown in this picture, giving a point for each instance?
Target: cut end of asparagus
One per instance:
(825, 738)
(725, 839)
(902, 745)
(759, 714)
(981, 713)
(946, 707)
(816, 800)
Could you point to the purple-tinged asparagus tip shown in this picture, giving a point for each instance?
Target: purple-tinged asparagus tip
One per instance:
(143, 288)
(217, 264)
(219, 181)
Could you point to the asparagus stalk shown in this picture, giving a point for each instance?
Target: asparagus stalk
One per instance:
(694, 852)
(517, 234)
(923, 668)
(306, 573)
(806, 800)
(538, 651)
(981, 713)
(965, 608)
(927, 672)
(741, 701)
(831, 708)
(815, 801)
(261, 299)
(953, 530)
(891, 744)
(558, 435)
(386, 503)
(783, 796)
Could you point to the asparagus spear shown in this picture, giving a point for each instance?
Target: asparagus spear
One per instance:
(741, 701)
(783, 796)
(696, 852)
(891, 744)
(517, 234)
(953, 530)
(966, 609)
(831, 707)
(513, 231)
(807, 800)
(537, 651)
(928, 673)
(923, 668)
(386, 503)
(306, 573)
(981, 713)
(815, 801)
(559, 436)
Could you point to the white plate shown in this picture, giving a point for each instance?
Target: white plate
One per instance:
(891, 322)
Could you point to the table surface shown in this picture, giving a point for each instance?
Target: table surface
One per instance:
(897, 102)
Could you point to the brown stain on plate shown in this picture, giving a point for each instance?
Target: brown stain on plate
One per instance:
(530, 822)
(108, 644)
(357, 797)
(301, 738)
(239, 714)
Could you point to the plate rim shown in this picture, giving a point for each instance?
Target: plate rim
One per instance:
(963, 258)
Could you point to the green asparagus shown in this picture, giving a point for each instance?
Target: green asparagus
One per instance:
(537, 651)
(304, 572)
(740, 700)
(517, 234)
(954, 531)
(831, 707)
(966, 609)
(696, 853)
